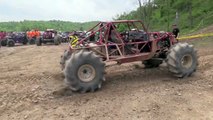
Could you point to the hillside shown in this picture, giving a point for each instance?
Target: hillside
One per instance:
(189, 15)
(43, 25)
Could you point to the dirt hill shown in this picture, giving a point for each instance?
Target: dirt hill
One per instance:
(31, 87)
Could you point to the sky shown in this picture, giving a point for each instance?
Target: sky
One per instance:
(66, 10)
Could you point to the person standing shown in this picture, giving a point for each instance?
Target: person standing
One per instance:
(175, 30)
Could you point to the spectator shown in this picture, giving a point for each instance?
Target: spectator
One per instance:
(175, 30)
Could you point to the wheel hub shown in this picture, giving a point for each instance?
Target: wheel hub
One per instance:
(86, 73)
(186, 61)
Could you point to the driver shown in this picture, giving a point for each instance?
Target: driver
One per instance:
(74, 39)
(112, 34)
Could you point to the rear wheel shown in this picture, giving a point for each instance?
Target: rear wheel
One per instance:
(4, 42)
(10, 43)
(84, 72)
(32, 41)
(38, 41)
(182, 60)
(57, 40)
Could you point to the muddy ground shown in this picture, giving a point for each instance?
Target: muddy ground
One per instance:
(32, 88)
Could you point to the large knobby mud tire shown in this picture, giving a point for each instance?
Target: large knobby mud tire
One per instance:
(4, 42)
(152, 63)
(57, 40)
(38, 41)
(32, 41)
(25, 41)
(10, 43)
(84, 72)
(67, 54)
(182, 60)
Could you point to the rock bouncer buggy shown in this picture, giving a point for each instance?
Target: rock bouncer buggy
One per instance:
(49, 36)
(12, 38)
(123, 41)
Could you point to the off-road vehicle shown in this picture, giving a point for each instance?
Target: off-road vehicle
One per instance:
(15, 38)
(49, 36)
(125, 41)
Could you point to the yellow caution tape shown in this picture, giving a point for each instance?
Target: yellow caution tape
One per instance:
(209, 16)
(195, 36)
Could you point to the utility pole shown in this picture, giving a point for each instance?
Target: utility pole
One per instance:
(168, 12)
(177, 18)
(190, 13)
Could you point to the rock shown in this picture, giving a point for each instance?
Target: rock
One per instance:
(77, 114)
(134, 109)
(55, 107)
(190, 109)
(71, 114)
(35, 88)
(145, 110)
(35, 101)
(26, 116)
(63, 92)
(178, 93)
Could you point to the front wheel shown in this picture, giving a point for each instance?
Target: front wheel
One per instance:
(67, 54)
(182, 60)
(84, 72)
(25, 41)
(10, 43)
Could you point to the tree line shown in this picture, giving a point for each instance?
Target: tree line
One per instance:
(162, 14)
(27, 25)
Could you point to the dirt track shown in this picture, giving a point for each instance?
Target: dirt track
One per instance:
(31, 87)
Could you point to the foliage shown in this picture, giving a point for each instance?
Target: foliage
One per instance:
(163, 14)
(43, 25)
(158, 15)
